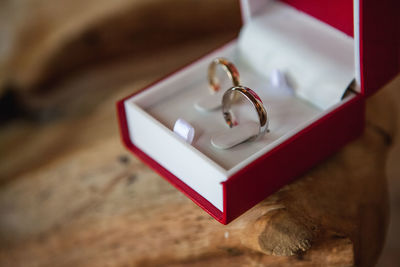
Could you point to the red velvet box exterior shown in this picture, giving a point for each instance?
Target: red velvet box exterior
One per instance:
(379, 62)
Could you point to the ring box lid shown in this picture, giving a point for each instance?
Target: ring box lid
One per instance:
(374, 25)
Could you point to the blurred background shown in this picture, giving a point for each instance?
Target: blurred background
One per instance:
(59, 60)
(63, 65)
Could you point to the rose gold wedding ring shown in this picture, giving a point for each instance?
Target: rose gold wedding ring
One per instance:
(228, 67)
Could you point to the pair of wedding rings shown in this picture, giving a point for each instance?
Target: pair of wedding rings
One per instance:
(232, 93)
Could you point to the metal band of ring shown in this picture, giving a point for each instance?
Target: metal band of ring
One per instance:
(228, 100)
(228, 67)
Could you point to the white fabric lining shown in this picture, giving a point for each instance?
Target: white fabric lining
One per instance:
(318, 58)
(286, 111)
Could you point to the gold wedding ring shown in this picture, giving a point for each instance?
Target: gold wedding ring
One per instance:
(229, 98)
(228, 67)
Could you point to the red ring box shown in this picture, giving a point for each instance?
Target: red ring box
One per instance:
(322, 46)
